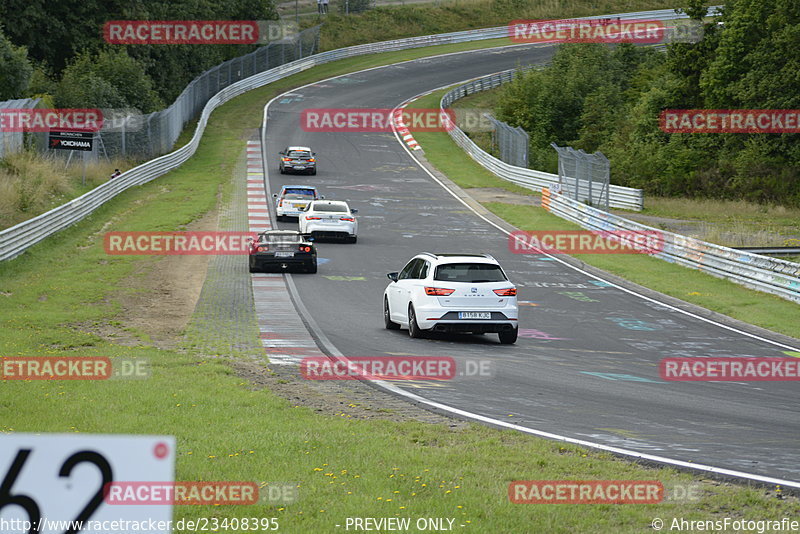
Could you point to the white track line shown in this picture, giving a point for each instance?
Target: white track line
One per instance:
(331, 348)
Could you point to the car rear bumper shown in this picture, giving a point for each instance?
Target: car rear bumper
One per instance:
(271, 262)
(289, 169)
(486, 327)
(287, 212)
(440, 320)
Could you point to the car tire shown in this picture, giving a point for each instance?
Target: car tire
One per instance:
(387, 321)
(313, 172)
(281, 218)
(509, 336)
(353, 239)
(252, 269)
(414, 330)
(311, 267)
(280, 170)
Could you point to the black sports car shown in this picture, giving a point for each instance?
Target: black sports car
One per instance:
(281, 250)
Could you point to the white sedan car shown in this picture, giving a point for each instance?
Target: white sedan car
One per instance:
(329, 219)
(452, 293)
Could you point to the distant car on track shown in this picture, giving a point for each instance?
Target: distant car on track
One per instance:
(329, 219)
(293, 199)
(452, 293)
(281, 250)
(297, 159)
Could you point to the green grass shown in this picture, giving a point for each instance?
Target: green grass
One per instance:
(228, 430)
(732, 223)
(459, 167)
(719, 295)
(31, 184)
(393, 22)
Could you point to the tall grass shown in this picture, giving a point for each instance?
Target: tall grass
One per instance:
(31, 184)
(393, 22)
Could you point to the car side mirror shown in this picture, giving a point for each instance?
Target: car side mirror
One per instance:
(393, 276)
(322, 197)
(282, 153)
(274, 195)
(353, 211)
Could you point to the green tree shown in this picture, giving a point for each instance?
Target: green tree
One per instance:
(110, 79)
(15, 69)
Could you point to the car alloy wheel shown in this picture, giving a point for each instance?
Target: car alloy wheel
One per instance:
(413, 328)
(387, 317)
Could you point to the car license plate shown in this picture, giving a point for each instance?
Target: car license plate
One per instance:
(474, 315)
(299, 207)
(284, 254)
(299, 167)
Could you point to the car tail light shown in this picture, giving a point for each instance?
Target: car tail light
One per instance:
(263, 248)
(286, 159)
(310, 218)
(438, 291)
(348, 219)
(312, 160)
(508, 292)
(280, 203)
(305, 248)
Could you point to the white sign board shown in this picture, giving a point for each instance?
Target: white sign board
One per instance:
(49, 481)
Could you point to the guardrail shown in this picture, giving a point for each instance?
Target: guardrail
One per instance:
(771, 251)
(15, 240)
(618, 197)
(771, 275)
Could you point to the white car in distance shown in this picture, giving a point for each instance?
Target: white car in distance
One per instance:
(329, 219)
(452, 293)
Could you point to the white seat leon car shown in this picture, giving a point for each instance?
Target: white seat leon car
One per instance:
(452, 293)
(329, 219)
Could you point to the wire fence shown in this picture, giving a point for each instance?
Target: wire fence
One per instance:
(137, 136)
(511, 142)
(583, 177)
(14, 141)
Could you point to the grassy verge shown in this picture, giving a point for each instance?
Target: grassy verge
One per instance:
(692, 286)
(228, 430)
(393, 22)
(31, 184)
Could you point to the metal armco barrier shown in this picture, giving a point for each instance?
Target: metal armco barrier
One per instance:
(618, 197)
(15, 240)
(770, 275)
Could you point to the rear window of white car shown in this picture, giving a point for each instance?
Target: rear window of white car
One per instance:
(472, 273)
(335, 208)
(299, 154)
